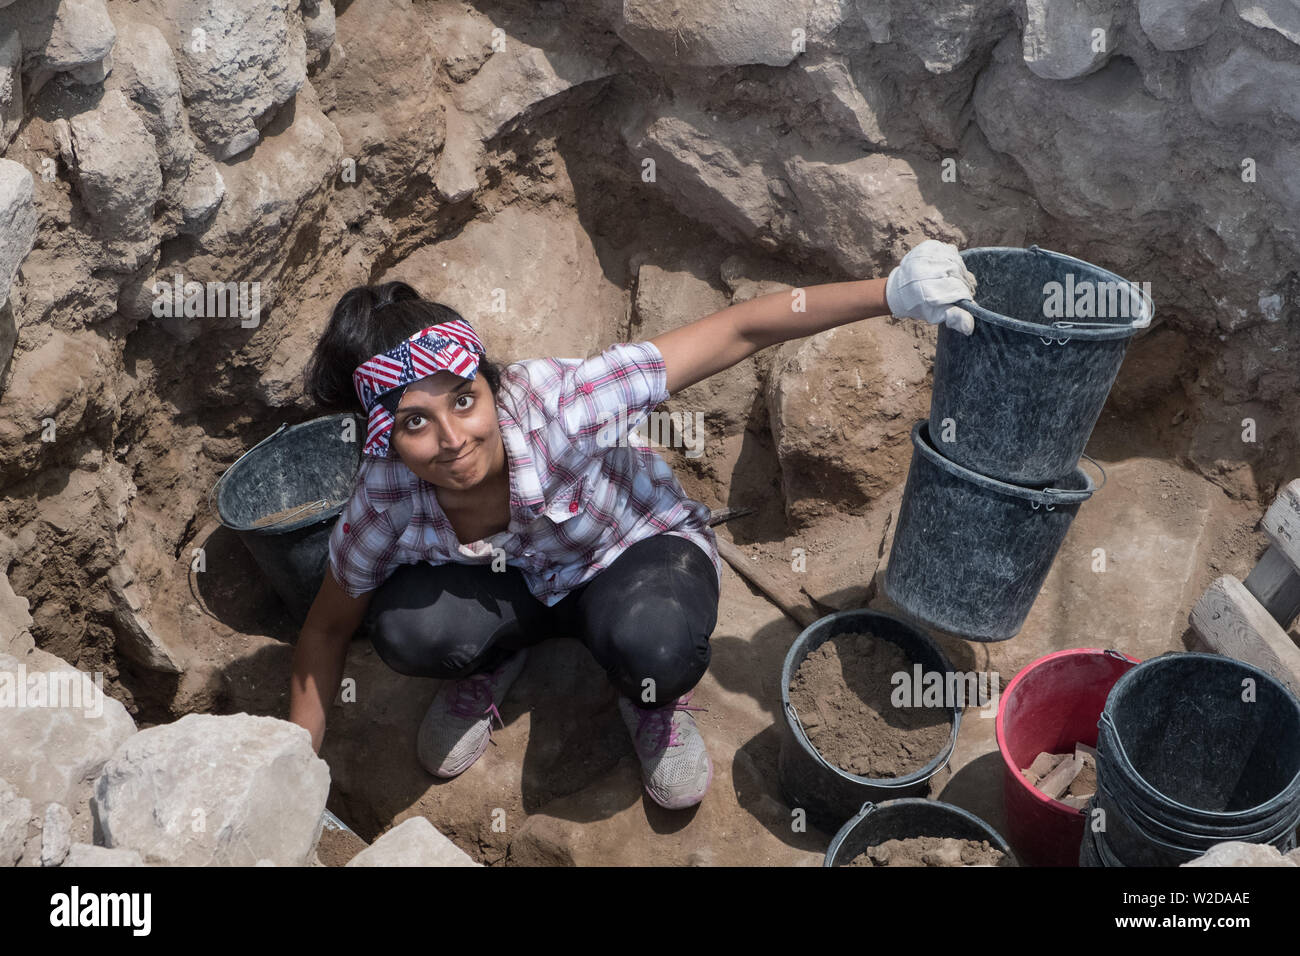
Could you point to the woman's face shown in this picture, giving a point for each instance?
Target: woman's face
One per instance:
(446, 431)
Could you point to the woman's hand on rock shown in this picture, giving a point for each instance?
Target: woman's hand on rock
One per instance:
(927, 283)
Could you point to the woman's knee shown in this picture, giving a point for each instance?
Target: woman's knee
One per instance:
(439, 621)
(661, 644)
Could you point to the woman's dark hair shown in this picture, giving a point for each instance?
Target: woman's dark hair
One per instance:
(367, 320)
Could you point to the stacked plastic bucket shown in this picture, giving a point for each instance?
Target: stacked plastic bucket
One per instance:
(995, 479)
(1193, 750)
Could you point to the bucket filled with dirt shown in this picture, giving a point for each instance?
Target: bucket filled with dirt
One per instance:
(912, 832)
(858, 725)
(282, 496)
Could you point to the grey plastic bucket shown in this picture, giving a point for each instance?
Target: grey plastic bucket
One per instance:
(1018, 399)
(307, 463)
(829, 794)
(970, 553)
(1184, 762)
(905, 819)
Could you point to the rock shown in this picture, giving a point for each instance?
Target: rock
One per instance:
(861, 212)
(1109, 108)
(1236, 853)
(61, 36)
(722, 33)
(250, 58)
(1061, 39)
(942, 33)
(874, 374)
(11, 87)
(209, 790)
(52, 753)
(135, 637)
(15, 812)
(56, 835)
(64, 381)
(147, 75)
(1246, 87)
(511, 84)
(115, 167)
(465, 271)
(711, 169)
(1280, 15)
(842, 101)
(669, 295)
(1179, 24)
(17, 234)
(318, 27)
(85, 854)
(414, 842)
(204, 190)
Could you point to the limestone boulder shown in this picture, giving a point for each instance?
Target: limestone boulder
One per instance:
(212, 790)
(413, 842)
(59, 730)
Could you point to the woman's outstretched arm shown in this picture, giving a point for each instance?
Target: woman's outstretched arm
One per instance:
(707, 346)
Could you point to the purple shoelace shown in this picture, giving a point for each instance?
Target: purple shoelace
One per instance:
(472, 697)
(660, 721)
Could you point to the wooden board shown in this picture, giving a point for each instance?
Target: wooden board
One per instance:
(1232, 622)
(1282, 523)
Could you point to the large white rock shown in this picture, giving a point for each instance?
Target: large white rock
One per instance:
(247, 58)
(51, 754)
(1280, 15)
(15, 813)
(1179, 24)
(413, 842)
(56, 835)
(61, 36)
(86, 854)
(17, 229)
(214, 791)
(1236, 853)
(146, 73)
(115, 166)
(1061, 39)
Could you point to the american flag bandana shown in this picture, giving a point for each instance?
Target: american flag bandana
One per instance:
(449, 346)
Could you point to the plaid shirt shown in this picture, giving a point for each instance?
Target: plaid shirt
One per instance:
(577, 499)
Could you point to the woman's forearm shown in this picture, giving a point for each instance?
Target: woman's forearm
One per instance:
(781, 316)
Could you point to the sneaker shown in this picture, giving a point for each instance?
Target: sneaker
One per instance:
(674, 764)
(458, 725)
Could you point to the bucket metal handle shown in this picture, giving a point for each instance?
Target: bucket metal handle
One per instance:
(1099, 468)
(211, 493)
(1050, 493)
(866, 809)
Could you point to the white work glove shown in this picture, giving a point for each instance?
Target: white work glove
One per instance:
(927, 282)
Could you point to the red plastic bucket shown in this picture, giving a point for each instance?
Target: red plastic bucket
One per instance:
(1052, 704)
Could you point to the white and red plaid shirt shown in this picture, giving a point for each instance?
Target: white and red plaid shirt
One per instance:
(577, 498)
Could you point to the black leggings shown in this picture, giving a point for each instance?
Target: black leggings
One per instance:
(648, 615)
